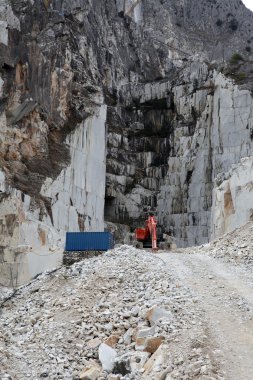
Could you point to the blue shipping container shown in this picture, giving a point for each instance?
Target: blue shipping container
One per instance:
(89, 241)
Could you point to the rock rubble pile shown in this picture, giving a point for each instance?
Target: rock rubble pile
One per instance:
(234, 247)
(117, 316)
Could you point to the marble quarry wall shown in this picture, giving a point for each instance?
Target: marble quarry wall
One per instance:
(173, 153)
(233, 199)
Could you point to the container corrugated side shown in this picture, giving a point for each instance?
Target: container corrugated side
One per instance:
(89, 241)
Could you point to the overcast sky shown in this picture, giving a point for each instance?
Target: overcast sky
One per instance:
(248, 3)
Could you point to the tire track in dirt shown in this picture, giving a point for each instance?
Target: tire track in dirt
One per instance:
(225, 294)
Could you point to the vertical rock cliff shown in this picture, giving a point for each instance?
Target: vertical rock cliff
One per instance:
(53, 143)
(184, 120)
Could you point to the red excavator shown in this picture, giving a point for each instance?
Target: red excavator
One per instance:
(149, 237)
(148, 233)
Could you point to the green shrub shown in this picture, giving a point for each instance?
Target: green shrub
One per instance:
(236, 58)
(241, 76)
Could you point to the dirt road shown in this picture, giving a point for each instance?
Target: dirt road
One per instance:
(225, 295)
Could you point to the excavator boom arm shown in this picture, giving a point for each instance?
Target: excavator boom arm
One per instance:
(152, 222)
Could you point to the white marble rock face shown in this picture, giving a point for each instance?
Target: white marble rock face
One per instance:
(233, 199)
(221, 139)
(78, 190)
